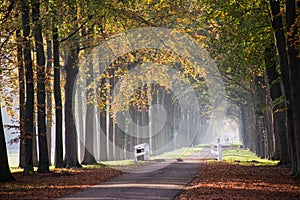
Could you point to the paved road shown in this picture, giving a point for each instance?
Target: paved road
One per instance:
(164, 183)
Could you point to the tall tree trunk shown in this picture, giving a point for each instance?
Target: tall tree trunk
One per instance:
(103, 121)
(263, 127)
(34, 138)
(167, 103)
(41, 94)
(278, 113)
(58, 103)
(5, 174)
(118, 132)
(161, 134)
(21, 98)
(118, 143)
(111, 138)
(89, 157)
(111, 131)
(49, 96)
(248, 124)
(252, 124)
(170, 121)
(150, 115)
(70, 127)
(270, 137)
(294, 72)
(154, 121)
(80, 120)
(176, 118)
(103, 136)
(28, 168)
(131, 137)
(111, 127)
(284, 68)
(145, 115)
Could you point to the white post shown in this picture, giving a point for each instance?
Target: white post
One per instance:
(147, 151)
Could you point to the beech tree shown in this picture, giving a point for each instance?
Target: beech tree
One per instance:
(57, 98)
(6, 11)
(294, 71)
(289, 67)
(21, 97)
(276, 94)
(71, 67)
(89, 157)
(28, 168)
(5, 174)
(41, 89)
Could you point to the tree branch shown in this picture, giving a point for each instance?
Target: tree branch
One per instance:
(8, 11)
(73, 33)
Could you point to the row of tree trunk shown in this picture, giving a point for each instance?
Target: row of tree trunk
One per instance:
(277, 125)
(286, 40)
(28, 103)
(104, 139)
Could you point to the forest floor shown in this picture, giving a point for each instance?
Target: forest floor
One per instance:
(224, 180)
(55, 184)
(214, 180)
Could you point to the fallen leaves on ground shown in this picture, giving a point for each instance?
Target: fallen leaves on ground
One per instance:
(221, 180)
(215, 180)
(55, 184)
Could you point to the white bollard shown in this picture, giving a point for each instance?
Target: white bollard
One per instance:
(147, 151)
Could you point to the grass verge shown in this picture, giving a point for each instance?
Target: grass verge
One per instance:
(245, 157)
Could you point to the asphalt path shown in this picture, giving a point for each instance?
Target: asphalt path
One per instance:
(162, 180)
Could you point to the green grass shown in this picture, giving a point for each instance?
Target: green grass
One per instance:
(94, 166)
(236, 145)
(118, 163)
(205, 145)
(16, 169)
(179, 153)
(232, 145)
(102, 164)
(245, 157)
(52, 168)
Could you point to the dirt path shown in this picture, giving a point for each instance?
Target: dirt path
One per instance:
(147, 182)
